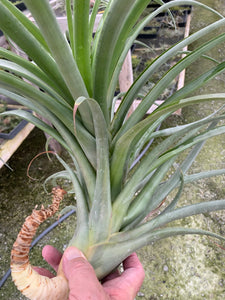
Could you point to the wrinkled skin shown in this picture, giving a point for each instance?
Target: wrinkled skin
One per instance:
(83, 282)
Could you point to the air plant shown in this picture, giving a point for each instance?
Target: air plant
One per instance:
(71, 81)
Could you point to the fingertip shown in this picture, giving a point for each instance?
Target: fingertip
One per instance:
(132, 261)
(46, 250)
(133, 267)
(72, 253)
(52, 256)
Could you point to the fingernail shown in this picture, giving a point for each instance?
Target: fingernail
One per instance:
(72, 253)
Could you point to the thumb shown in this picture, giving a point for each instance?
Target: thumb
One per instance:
(83, 282)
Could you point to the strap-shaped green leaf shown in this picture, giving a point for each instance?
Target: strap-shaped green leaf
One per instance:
(123, 244)
(15, 84)
(41, 103)
(21, 17)
(100, 213)
(155, 235)
(49, 27)
(31, 77)
(52, 179)
(142, 205)
(82, 42)
(160, 86)
(112, 37)
(37, 122)
(154, 66)
(81, 233)
(31, 46)
(116, 126)
(148, 165)
(30, 67)
(94, 13)
(69, 16)
(128, 140)
(179, 213)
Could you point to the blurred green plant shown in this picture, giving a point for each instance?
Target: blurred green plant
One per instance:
(71, 82)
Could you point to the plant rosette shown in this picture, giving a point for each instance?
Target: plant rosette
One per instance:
(71, 81)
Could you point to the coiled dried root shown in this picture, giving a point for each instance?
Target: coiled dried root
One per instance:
(28, 281)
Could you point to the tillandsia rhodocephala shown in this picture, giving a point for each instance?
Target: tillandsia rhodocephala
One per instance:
(71, 81)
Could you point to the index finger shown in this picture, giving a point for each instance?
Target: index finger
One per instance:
(52, 256)
(133, 271)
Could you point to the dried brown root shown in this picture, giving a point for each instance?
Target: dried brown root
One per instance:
(28, 281)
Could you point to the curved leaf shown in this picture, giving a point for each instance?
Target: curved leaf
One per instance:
(81, 233)
(100, 214)
(113, 36)
(31, 46)
(160, 86)
(25, 22)
(129, 139)
(30, 67)
(37, 122)
(122, 245)
(49, 27)
(134, 90)
(149, 164)
(179, 213)
(153, 236)
(82, 42)
(31, 77)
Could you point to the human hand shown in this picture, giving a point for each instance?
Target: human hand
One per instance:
(83, 282)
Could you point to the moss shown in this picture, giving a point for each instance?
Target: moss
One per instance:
(135, 61)
(182, 267)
